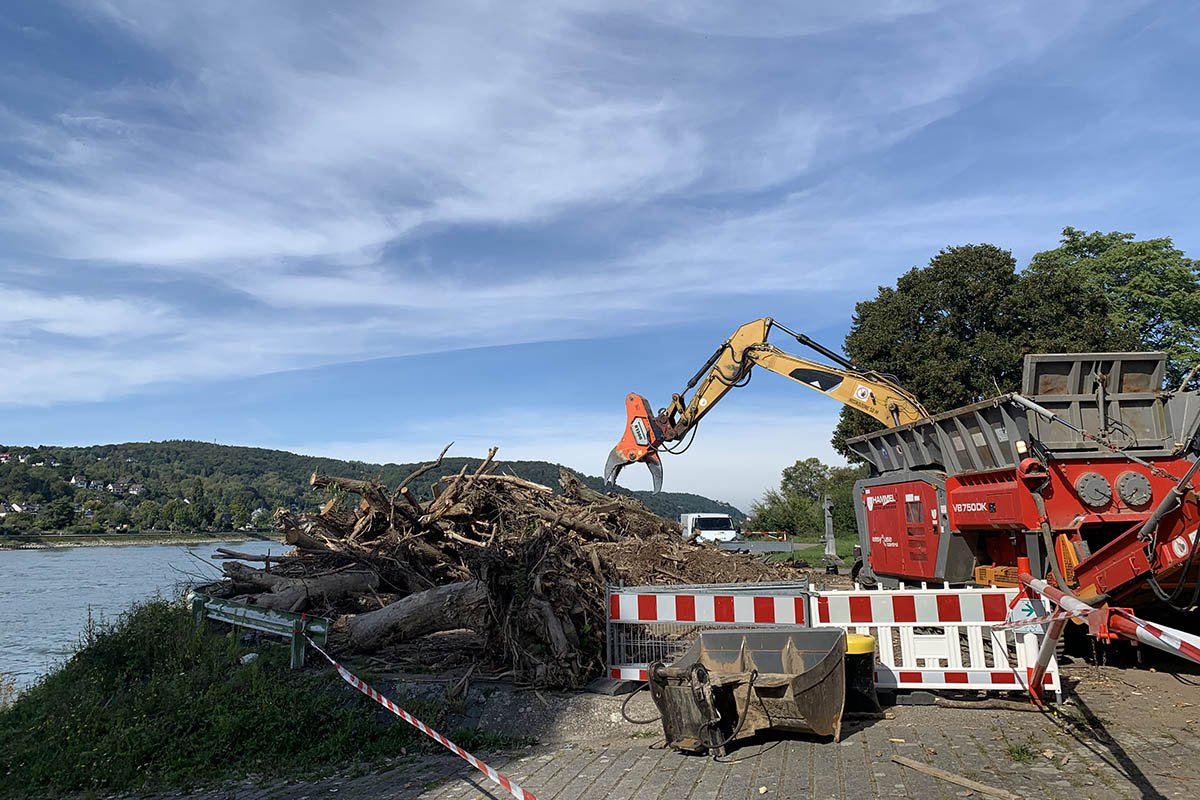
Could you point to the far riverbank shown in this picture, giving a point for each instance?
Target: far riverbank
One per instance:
(46, 541)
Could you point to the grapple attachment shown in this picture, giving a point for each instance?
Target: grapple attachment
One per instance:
(640, 442)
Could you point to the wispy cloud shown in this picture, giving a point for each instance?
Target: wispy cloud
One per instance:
(272, 181)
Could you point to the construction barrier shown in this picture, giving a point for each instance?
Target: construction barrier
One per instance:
(657, 623)
(979, 638)
(962, 638)
(496, 777)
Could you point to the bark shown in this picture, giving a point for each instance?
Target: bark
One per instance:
(295, 594)
(449, 607)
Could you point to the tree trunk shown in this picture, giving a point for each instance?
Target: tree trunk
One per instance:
(443, 608)
(296, 594)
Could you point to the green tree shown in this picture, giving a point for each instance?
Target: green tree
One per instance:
(145, 516)
(55, 515)
(797, 505)
(239, 513)
(806, 478)
(1152, 288)
(956, 330)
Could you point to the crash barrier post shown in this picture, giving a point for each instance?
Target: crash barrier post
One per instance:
(657, 623)
(495, 776)
(293, 627)
(947, 638)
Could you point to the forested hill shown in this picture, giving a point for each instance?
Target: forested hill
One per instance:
(186, 485)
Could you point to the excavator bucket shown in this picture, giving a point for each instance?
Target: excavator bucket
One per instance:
(640, 442)
(734, 683)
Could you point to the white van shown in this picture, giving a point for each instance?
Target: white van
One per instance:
(709, 527)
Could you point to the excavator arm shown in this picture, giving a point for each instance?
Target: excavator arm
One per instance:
(729, 367)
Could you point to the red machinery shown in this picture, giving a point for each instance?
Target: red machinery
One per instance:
(1087, 473)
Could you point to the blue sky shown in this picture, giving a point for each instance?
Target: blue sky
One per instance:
(365, 229)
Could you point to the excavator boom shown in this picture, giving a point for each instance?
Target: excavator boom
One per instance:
(729, 367)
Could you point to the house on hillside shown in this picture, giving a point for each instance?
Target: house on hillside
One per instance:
(30, 508)
(80, 481)
(4, 458)
(137, 488)
(96, 485)
(5, 509)
(25, 458)
(51, 461)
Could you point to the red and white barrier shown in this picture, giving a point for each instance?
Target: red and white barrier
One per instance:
(918, 606)
(742, 608)
(496, 777)
(942, 638)
(925, 638)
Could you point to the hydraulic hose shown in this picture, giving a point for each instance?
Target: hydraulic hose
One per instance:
(1048, 540)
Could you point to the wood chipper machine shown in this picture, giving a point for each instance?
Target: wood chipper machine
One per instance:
(1086, 472)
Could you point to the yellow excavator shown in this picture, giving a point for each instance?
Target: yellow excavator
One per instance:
(729, 367)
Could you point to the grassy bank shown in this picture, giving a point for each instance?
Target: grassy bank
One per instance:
(154, 701)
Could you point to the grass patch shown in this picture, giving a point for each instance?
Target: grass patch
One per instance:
(1023, 753)
(153, 701)
(843, 545)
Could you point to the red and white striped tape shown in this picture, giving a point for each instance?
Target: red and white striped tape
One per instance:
(506, 783)
(1021, 623)
(897, 607)
(738, 608)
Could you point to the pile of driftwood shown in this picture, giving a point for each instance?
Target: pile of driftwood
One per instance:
(523, 567)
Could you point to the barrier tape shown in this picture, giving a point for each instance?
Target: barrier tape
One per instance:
(504, 782)
(1052, 617)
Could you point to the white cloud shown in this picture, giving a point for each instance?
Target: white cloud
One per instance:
(292, 159)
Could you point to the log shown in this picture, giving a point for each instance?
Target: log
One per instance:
(338, 515)
(287, 523)
(443, 608)
(371, 491)
(515, 481)
(579, 526)
(296, 594)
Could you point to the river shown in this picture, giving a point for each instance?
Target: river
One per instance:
(47, 595)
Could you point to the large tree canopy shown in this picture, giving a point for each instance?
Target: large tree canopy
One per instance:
(1152, 288)
(955, 331)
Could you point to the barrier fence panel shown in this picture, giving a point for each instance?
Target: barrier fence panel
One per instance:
(656, 623)
(925, 638)
(944, 638)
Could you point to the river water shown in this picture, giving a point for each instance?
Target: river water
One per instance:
(47, 595)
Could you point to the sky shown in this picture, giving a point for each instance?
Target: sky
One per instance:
(363, 230)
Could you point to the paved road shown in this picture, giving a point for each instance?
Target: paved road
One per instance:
(1028, 754)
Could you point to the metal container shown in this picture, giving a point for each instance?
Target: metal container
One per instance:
(735, 683)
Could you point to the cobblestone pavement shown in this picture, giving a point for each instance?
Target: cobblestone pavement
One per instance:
(1028, 754)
